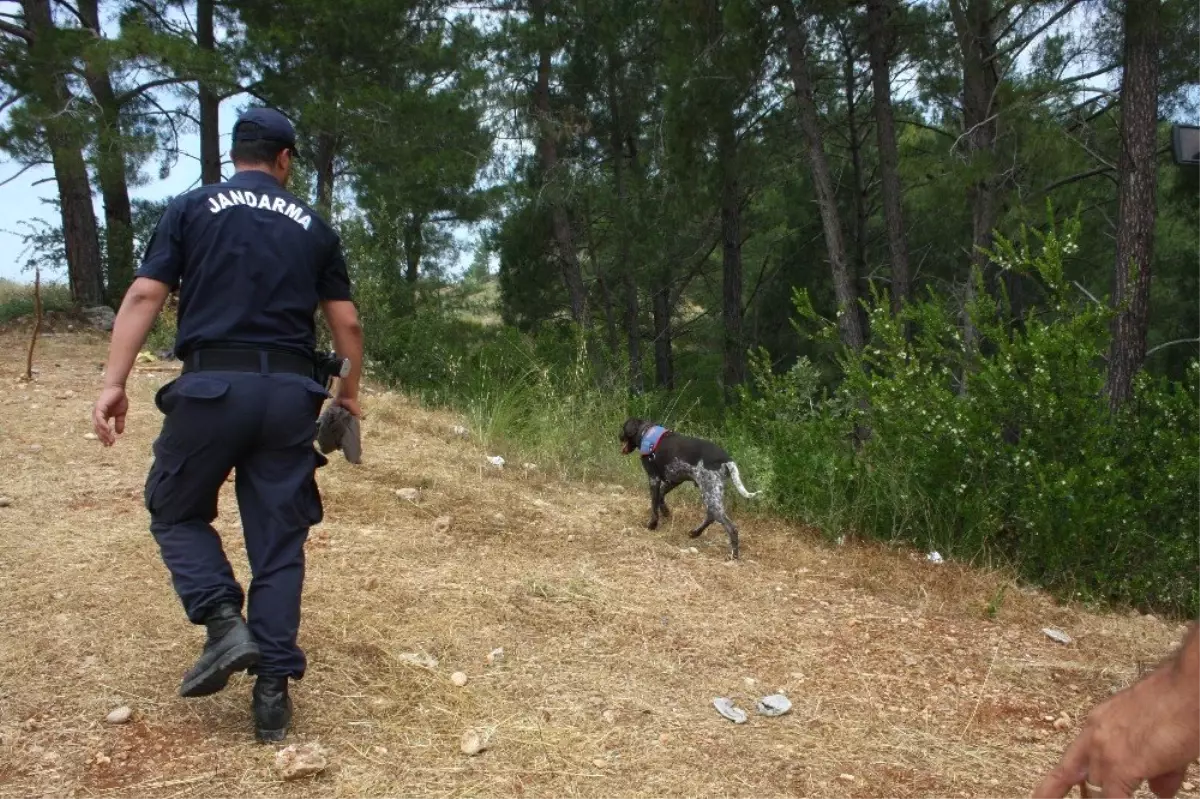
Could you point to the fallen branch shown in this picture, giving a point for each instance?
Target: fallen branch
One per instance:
(37, 321)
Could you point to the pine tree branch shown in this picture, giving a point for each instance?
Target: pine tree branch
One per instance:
(19, 32)
(132, 94)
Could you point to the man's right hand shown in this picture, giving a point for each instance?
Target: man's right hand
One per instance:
(350, 404)
(1149, 731)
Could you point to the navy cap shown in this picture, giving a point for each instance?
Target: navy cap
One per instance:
(264, 124)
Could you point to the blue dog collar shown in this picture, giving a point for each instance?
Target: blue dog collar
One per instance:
(651, 438)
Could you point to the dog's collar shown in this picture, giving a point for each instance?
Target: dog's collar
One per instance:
(651, 438)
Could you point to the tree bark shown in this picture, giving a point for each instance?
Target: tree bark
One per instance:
(850, 81)
(210, 102)
(1136, 193)
(85, 271)
(849, 321)
(547, 147)
(973, 26)
(879, 39)
(414, 247)
(731, 253)
(326, 154)
(633, 336)
(110, 163)
(664, 366)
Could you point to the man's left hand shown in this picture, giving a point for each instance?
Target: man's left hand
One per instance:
(112, 405)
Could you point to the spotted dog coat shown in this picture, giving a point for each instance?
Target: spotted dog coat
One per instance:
(670, 459)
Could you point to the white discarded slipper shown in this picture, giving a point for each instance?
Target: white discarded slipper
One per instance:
(727, 709)
(774, 705)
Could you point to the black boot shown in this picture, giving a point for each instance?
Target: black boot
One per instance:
(272, 708)
(229, 649)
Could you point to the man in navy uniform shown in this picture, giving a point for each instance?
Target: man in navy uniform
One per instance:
(252, 263)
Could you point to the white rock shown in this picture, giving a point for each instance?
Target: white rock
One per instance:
(693, 551)
(496, 461)
(495, 656)
(90, 436)
(408, 494)
(458, 678)
(846, 777)
(570, 538)
(300, 760)
(934, 557)
(473, 742)
(460, 431)
(774, 705)
(119, 716)
(35, 447)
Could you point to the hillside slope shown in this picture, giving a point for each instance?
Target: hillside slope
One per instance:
(616, 639)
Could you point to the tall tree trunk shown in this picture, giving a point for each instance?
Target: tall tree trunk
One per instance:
(326, 154)
(547, 147)
(664, 366)
(110, 163)
(856, 166)
(849, 320)
(879, 41)
(414, 247)
(731, 253)
(1136, 193)
(210, 101)
(973, 26)
(65, 139)
(617, 138)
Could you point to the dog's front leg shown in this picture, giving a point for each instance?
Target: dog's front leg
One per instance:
(655, 500)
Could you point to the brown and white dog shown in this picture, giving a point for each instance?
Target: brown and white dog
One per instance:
(670, 459)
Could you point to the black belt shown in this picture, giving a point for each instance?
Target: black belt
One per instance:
(263, 361)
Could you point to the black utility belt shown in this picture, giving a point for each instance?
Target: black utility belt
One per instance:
(236, 360)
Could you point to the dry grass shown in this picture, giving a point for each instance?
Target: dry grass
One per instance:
(616, 639)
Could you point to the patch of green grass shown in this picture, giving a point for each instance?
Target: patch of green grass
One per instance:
(16, 299)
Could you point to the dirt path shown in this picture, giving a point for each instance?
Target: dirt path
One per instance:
(615, 639)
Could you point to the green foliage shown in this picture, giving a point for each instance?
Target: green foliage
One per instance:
(1027, 465)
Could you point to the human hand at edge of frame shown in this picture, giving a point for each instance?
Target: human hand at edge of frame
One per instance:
(1149, 731)
(112, 405)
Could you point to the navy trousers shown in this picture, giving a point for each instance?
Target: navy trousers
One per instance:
(264, 425)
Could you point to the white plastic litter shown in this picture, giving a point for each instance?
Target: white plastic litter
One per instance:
(934, 557)
(730, 711)
(774, 705)
(1055, 634)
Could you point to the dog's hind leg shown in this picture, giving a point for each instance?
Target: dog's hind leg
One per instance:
(708, 519)
(711, 485)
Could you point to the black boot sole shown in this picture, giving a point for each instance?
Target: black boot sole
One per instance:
(216, 676)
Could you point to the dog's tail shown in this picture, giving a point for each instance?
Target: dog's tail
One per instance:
(732, 469)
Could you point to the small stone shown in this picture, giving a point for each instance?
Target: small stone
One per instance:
(372, 583)
(1149, 617)
(458, 678)
(750, 682)
(1187, 786)
(408, 494)
(663, 738)
(600, 763)
(609, 716)
(300, 760)
(693, 551)
(570, 538)
(846, 777)
(119, 716)
(35, 447)
(495, 656)
(441, 525)
(5, 502)
(1062, 722)
(379, 750)
(90, 436)
(473, 742)
(102, 759)
(50, 757)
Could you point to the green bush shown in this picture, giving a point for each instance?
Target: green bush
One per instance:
(1026, 464)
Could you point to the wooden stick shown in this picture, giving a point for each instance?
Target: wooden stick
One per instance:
(37, 321)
